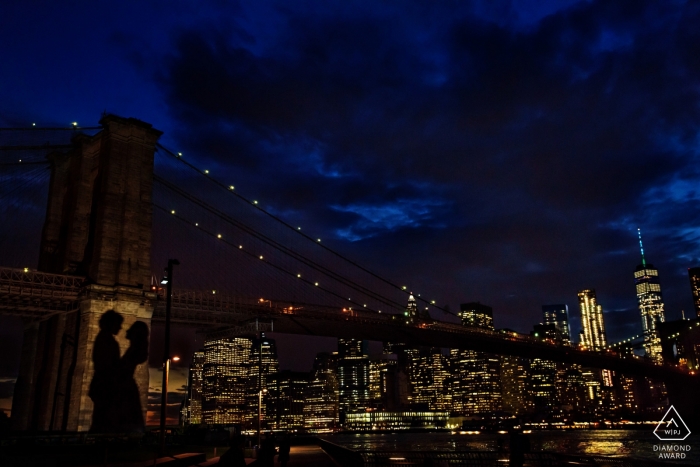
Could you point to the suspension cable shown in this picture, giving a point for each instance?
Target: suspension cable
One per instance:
(276, 245)
(299, 232)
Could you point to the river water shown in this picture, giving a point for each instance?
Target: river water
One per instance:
(610, 443)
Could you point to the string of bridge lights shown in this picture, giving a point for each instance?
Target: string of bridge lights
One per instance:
(231, 189)
(626, 341)
(690, 327)
(260, 257)
(278, 246)
(630, 339)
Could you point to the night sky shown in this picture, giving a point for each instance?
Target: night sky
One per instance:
(496, 151)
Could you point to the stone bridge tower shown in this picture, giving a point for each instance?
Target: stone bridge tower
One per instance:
(98, 225)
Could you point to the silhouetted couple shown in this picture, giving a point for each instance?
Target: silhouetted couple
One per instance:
(113, 390)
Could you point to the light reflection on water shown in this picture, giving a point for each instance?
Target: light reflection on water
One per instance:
(608, 443)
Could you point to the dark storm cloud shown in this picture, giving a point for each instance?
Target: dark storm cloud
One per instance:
(514, 155)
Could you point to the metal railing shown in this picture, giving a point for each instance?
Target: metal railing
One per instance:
(25, 277)
(38, 294)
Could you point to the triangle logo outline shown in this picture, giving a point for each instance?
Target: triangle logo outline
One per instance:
(679, 432)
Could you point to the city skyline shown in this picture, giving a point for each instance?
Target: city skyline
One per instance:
(409, 384)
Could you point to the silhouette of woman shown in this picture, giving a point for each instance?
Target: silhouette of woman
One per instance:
(130, 411)
(103, 387)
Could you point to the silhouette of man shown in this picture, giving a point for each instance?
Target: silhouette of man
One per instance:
(103, 387)
(130, 412)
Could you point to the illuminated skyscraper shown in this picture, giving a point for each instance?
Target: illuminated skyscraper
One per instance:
(225, 381)
(476, 387)
(694, 276)
(515, 375)
(389, 386)
(382, 375)
(651, 304)
(192, 406)
(476, 383)
(285, 401)
(263, 362)
(412, 309)
(543, 374)
(628, 394)
(429, 383)
(543, 390)
(475, 314)
(321, 399)
(398, 390)
(353, 376)
(572, 391)
(592, 325)
(593, 337)
(558, 315)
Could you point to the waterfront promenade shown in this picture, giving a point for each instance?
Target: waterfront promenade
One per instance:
(621, 449)
(310, 456)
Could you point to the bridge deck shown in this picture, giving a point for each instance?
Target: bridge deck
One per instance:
(38, 295)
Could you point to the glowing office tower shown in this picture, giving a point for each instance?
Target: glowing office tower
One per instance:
(694, 276)
(476, 387)
(440, 369)
(321, 399)
(353, 376)
(651, 304)
(593, 337)
(285, 402)
(558, 315)
(398, 389)
(382, 382)
(474, 314)
(628, 394)
(225, 381)
(192, 405)
(515, 375)
(476, 375)
(412, 308)
(263, 362)
(592, 325)
(376, 366)
(429, 385)
(543, 375)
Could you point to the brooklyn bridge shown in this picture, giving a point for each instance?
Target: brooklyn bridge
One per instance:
(114, 192)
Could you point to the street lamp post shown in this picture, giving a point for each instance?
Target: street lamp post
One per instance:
(168, 279)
